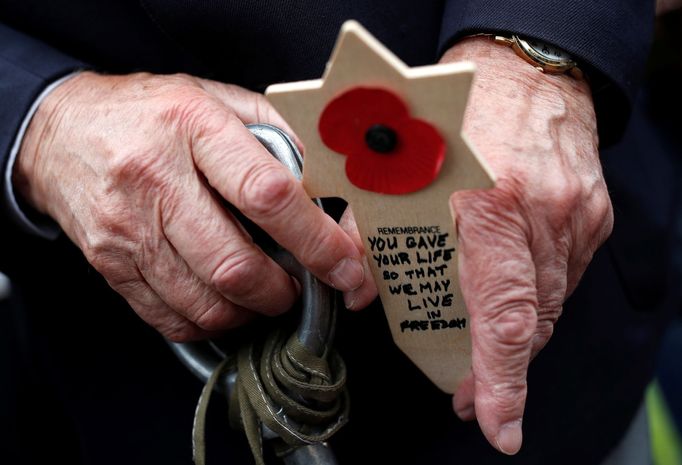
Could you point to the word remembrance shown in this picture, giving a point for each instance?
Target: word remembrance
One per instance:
(387, 139)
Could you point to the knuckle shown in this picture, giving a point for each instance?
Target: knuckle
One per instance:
(235, 275)
(112, 217)
(219, 315)
(560, 195)
(512, 326)
(318, 246)
(192, 111)
(115, 265)
(188, 295)
(545, 329)
(601, 203)
(179, 331)
(507, 397)
(601, 215)
(266, 190)
(182, 79)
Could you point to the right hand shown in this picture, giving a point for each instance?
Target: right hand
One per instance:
(131, 168)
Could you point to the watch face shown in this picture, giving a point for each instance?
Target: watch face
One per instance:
(545, 53)
(548, 51)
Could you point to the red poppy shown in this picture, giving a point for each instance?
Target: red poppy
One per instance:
(388, 151)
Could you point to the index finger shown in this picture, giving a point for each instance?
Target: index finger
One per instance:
(497, 276)
(247, 176)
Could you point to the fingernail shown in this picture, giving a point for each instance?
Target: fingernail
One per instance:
(509, 437)
(467, 413)
(347, 275)
(349, 299)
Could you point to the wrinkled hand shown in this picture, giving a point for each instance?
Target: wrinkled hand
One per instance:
(132, 168)
(523, 245)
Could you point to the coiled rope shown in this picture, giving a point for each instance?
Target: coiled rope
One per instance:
(281, 385)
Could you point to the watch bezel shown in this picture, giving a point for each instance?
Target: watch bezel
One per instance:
(546, 63)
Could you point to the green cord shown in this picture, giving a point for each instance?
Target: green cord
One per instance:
(666, 442)
(283, 386)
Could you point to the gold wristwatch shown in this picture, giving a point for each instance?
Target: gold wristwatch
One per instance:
(543, 56)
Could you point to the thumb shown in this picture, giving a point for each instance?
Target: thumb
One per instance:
(498, 283)
(367, 292)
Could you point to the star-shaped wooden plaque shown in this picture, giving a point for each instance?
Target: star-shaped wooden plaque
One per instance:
(387, 138)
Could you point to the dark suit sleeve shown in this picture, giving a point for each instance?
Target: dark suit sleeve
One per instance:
(27, 66)
(610, 39)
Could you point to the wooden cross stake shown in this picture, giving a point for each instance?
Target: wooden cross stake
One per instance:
(387, 138)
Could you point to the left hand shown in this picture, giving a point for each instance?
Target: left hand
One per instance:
(523, 245)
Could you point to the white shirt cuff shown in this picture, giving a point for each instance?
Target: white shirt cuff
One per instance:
(43, 227)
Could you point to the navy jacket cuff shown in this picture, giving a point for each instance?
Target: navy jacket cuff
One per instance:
(27, 67)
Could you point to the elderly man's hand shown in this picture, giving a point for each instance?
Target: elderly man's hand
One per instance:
(133, 168)
(523, 245)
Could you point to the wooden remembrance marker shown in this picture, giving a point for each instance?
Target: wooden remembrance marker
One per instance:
(387, 139)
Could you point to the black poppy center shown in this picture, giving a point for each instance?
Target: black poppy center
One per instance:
(381, 138)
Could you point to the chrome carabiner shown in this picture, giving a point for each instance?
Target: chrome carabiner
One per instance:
(318, 311)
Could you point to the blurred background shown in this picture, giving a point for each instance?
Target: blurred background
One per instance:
(661, 101)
